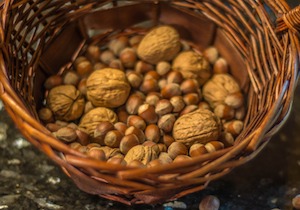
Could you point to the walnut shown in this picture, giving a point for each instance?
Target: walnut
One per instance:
(142, 153)
(66, 102)
(91, 119)
(107, 87)
(200, 126)
(216, 90)
(192, 65)
(160, 44)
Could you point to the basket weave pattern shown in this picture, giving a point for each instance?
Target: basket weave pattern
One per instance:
(259, 39)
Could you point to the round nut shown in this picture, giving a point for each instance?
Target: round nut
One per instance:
(143, 67)
(88, 107)
(165, 158)
(191, 98)
(117, 161)
(154, 163)
(102, 128)
(113, 138)
(166, 122)
(116, 64)
(80, 59)
(234, 127)
(152, 75)
(136, 164)
(204, 105)
(128, 57)
(163, 67)
(177, 103)
(136, 131)
(118, 44)
(188, 109)
(296, 202)
(209, 202)
(177, 148)
(152, 133)
(84, 68)
(136, 121)
(189, 86)
(182, 158)
(82, 137)
(96, 153)
(213, 146)
(163, 107)
(122, 114)
(197, 150)
(134, 78)
(53, 81)
(234, 100)
(82, 86)
(147, 112)
(53, 127)
(120, 126)
(107, 56)
(240, 113)
(211, 54)
(133, 103)
(227, 139)
(224, 111)
(174, 77)
(99, 65)
(93, 53)
(171, 90)
(162, 147)
(136, 39)
(220, 66)
(46, 115)
(66, 134)
(167, 140)
(149, 85)
(162, 83)
(127, 142)
(152, 98)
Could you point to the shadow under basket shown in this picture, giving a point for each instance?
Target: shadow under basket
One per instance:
(259, 39)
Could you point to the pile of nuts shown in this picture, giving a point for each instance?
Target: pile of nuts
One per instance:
(144, 100)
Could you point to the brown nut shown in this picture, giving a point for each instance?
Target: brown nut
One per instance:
(152, 75)
(82, 86)
(204, 105)
(162, 147)
(91, 145)
(96, 153)
(152, 98)
(227, 139)
(120, 126)
(113, 138)
(166, 122)
(154, 163)
(80, 59)
(133, 103)
(84, 68)
(136, 131)
(240, 113)
(171, 90)
(99, 65)
(167, 140)
(174, 77)
(224, 111)
(213, 146)
(177, 148)
(82, 137)
(128, 57)
(162, 83)
(46, 115)
(211, 54)
(128, 142)
(149, 85)
(188, 109)
(234, 127)
(147, 112)
(118, 44)
(134, 78)
(296, 202)
(53, 127)
(152, 133)
(191, 98)
(197, 150)
(102, 128)
(136, 121)
(66, 134)
(189, 86)
(177, 103)
(163, 107)
(136, 39)
(136, 164)
(71, 78)
(143, 67)
(107, 56)
(117, 161)
(165, 158)
(74, 145)
(163, 67)
(88, 107)
(93, 53)
(116, 64)
(182, 158)
(53, 81)
(220, 66)
(209, 202)
(122, 114)
(234, 100)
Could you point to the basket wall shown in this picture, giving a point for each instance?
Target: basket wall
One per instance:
(259, 39)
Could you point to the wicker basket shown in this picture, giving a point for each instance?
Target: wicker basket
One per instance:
(259, 39)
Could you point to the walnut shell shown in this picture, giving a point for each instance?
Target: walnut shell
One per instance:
(160, 44)
(192, 65)
(200, 126)
(107, 87)
(142, 153)
(91, 119)
(218, 88)
(66, 102)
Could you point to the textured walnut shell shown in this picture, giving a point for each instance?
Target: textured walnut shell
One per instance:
(218, 88)
(160, 44)
(107, 88)
(142, 153)
(91, 119)
(66, 102)
(200, 126)
(192, 65)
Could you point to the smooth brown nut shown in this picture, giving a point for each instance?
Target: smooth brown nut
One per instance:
(136, 121)
(147, 112)
(66, 134)
(84, 68)
(120, 126)
(224, 111)
(209, 202)
(163, 67)
(107, 88)
(118, 44)
(117, 161)
(143, 67)
(197, 150)
(189, 86)
(134, 78)
(53, 127)
(213, 146)
(174, 77)
(136, 131)
(182, 158)
(122, 114)
(116, 64)
(128, 57)
(75, 145)
(163, 107)
(160, 44)
(88, 107)
(82, 149)
(127, 142)
(167, 140)
(46, 115)
(107, 56)
(234, 100)
(211, 54)
(162, 147)
(113, 138)
(66, 102)
(91, 119)
(162, 83)
(171, 90)
(177, 103)
(111, 152)
(53, 81)
(204, 105)
(234, 127)
(227, 139)
(200, 126)
(102, 128)
(220, 66)
(80, 59)
(93, 53)
(166, 122)
(136, 39)
(188, 109)
(142, 153)
(133, 103)
(154, 163)
(96, 153)
(177, 148)
(149, 85)
(99, 65)
(240, 113)
(152, 98)
(152, 133)
(192, 65)
(71, 78)
(91, 145)
(72, 125)
(191, 98)
(165, 158)
(82, 137)
(82, 86)
(152, 75)
(136, 164)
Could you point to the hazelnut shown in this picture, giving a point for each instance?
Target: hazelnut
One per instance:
(149, 85)
(113, 138)
(296, 202)
(167, 140)
(177, 148)
(118, 44)
(174, 77)
(211, 54)
(177, 103)
(122, 114)
(53, 81)
(213, 146)
(143, 67)
(191, 98)
(240, 113)
(103, 128)
(116, 64)
(99, 65)
(209, 202)
(84, 68)
(171, 90)
(181, 158)
(162, 83)
(128, 57)
(136, 131)
(93, 53)
(165, 158)
(107, 56)
(96, 153)
(117, 161)
(166, 122)
(197, 150)
(224, 111)
(75, 145)
(120, 126)
(46, 115)
(234, 127)
(134, 78)
(136, 39)
(136, 121)
(66, 134)
(204, 105)
(152, 133)
(163, 107)
(163, 67)
(227, 139)
(80, 59)
(162, 147)
(82, 137)
(185, 46)
(154, 163)
(91, 145)
(152, 98)
(152, 75)
(189, 86)
(136, 164)
(88, 106)
(234, 100)
(82, 86)
(53, 127)
(133, 103)
(188, 109)
(147, 112)
(127, 142)
(71, 78)
(220, 66)
(72, 125)
(82, 149)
